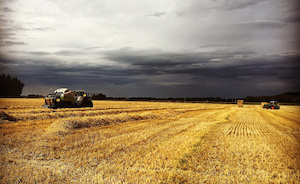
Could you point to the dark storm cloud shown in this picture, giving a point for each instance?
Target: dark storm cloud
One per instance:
(293, 19)
(237, 4)
(224, 5)
(96, 47)
(156, 14)
(155, 58)
(41, 29)
(202, 47)
(68, 73)
(6, 9)
(9, 30)
(7, 37)
(39, 53)
(153, 69)
(68, 53)
(58, 53)
(263, 24)
(214, 65)
(291, 14)
(10, 43)
(150, 57)
(210, 65)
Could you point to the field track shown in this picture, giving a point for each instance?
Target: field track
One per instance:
(149, 142)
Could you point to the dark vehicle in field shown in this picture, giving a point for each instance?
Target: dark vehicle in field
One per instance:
(64, 98)
(272, 105)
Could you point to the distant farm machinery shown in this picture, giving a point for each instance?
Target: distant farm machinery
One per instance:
(64, 98)
(271, 105)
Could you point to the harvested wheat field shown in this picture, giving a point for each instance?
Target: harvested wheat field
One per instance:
(148, 142)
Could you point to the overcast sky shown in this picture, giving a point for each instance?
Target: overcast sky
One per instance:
(157, 48)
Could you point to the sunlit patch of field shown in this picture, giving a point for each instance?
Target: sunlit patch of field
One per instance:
(149, 142)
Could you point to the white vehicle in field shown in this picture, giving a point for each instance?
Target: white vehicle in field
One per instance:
(63, 97)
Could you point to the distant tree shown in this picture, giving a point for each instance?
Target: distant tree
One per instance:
(98, 96)
(289, 97)
(35, 96)
(10, 86)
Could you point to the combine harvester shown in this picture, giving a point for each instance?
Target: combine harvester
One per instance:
(64, 98)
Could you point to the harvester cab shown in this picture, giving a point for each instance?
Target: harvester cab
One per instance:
(82, 99)
(63, 98)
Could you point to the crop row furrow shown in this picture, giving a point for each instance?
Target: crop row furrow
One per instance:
(82, 113)
(77, 114)
(241, 125)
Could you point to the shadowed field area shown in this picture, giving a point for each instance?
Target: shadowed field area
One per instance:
(148, 142)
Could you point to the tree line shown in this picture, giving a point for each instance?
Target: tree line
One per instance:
(10, 86)
(289, 97)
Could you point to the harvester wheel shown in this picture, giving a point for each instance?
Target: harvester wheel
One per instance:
(89, 103)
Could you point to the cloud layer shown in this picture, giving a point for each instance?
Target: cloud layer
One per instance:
(158, 48)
